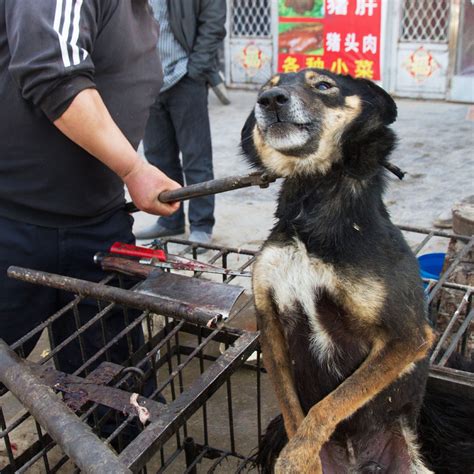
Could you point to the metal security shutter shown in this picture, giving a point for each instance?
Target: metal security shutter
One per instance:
(249, 45)
(425, 20)
(420, 66)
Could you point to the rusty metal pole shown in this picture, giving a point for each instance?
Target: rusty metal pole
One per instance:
(131, 299)
(76, 438)
(215, 186)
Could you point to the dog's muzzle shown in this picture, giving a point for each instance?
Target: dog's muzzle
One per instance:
(281, 118)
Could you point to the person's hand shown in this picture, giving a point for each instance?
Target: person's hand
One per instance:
(145, 182)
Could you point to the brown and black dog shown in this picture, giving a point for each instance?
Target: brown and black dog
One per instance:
(339, 299)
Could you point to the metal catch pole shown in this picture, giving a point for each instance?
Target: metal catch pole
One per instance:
(215, 186)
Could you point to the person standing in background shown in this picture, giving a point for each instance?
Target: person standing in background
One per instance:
(191, 32)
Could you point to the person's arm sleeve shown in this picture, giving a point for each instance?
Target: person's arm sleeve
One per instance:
(50, 44)
(210, 34)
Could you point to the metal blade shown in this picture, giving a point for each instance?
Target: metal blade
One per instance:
(202, 293)
(193, 266)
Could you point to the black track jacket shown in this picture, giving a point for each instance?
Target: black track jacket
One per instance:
(50, 50)
(199, 26)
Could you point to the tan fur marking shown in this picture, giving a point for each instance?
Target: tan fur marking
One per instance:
(428, 336)
(408, 369)
(260, 294)
(335, 123)
(310, 77)
(329, 150)
(313, 77)
(274, 81)
(276, 357)
(378, 371)
(364, 297)
(277, 362)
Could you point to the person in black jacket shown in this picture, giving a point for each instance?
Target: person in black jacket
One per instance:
(191, 33)
(77, 79)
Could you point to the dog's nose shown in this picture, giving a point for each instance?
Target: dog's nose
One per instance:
(273, 98)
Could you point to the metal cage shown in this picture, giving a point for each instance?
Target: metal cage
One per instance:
(200, 386)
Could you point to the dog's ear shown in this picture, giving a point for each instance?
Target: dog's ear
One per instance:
(247, 144)
(384, 102)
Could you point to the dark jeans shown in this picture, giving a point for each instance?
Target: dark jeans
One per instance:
(179, 122)
(66, 252)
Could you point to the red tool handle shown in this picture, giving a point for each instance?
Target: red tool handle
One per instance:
(136, 251)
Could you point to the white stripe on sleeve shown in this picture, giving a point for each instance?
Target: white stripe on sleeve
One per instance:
(68, 13)
(67, 27)
(75, 33)
(62, 40)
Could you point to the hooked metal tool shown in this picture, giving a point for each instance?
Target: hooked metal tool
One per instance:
(161, 259)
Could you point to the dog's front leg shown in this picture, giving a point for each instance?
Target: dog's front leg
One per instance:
(385, 362)
(278, 364)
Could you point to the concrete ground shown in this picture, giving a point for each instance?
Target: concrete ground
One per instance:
(436, 149)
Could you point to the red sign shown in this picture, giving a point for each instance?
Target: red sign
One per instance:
(342, 36)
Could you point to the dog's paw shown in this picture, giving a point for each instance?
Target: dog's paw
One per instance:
(300, 459)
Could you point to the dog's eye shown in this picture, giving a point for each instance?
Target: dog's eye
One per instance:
(323, 86)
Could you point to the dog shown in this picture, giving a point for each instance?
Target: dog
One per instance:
(337, 291)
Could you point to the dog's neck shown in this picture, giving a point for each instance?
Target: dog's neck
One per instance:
(332, 213)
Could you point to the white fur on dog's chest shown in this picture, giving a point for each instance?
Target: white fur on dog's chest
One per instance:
(293, 277)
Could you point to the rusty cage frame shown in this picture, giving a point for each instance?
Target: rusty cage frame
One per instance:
(196, 367)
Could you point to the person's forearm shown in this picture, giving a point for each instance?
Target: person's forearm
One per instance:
(88, 123)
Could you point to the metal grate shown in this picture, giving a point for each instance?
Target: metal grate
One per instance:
(251, 18)
(425, 20)
(214, 415)
(184, 361)
(454, 328)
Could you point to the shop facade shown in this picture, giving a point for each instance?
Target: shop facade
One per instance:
(415, 48)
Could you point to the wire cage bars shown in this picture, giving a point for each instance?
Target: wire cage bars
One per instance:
(192, 395)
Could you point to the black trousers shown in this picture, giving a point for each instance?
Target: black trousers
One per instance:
(66, 252)
(179, 122)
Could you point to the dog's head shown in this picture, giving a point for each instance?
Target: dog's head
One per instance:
(305, 122)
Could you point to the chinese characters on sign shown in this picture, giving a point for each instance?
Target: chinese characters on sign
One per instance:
(340, 35)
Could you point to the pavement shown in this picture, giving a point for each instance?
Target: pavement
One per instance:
(436, 149)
